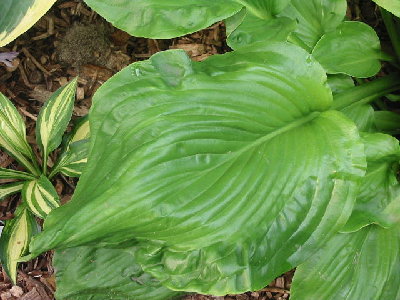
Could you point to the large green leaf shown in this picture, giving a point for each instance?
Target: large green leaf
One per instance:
(54, 118)
(379, 185)
(352, 266)
(353, 48)
(17, 16)
(13, 134)
(358, 265)
(85, 273)
(315, 18)
(14, 240)
(229, 171)
(163, 18)
(390, 5)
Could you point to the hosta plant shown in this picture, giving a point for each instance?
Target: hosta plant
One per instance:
(39, 196)
(231, 172)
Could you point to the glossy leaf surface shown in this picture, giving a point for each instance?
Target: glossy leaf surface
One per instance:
(16, 17)
(14, 240)
(352, 266)
(9, 189)
(353, 48)
(88, 273)
(40, 196)
(163, 19)
(358, 265)
(199, 166)
(13, 134)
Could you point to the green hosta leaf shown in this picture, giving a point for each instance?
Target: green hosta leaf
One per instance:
(54, 118)
(253, 29)
(201, 180)
(16, 17)
(13, 174)
(363, 115)
(40, 196)
(13, 134)
(85, 273)
(315, 18)
(359, 265)
(387, 121)
(340, 83)
(264, 9)
(380, 185)
(390, 5)
(353, 48)
(163, 18)
(14, 240)
(9, 189)
(352, 266)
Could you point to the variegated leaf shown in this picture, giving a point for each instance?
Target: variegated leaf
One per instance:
(74, 156)
(40, 196)
(13, 174)
(73, 160)
(16, 17)
(13, 134)
(14, 240)
(53, 119)
(10, 188)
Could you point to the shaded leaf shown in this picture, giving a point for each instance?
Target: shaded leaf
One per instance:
(387, 121)
(390, 5)
(85, 273)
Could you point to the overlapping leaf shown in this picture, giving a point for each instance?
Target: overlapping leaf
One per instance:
(351, 48)
(201, 171)
(16, 17)
(40, 196)
(86, 273)
(54, 118)
(14, 240)
(360, 265)
(13, 134)
(13, 174)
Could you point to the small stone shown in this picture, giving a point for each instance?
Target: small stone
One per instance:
(16, 291)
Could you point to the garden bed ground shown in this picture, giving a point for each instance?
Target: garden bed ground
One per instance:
(72, 40)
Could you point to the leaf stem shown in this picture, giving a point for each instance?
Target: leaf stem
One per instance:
(367, 92)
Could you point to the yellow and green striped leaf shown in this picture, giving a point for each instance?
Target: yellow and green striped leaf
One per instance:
(14, 240)
(72, 161)
(74, 156)
(40, 196)
(9, 189)
(13, 134)
(17, 16)
(13, 174)
(54, 118)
